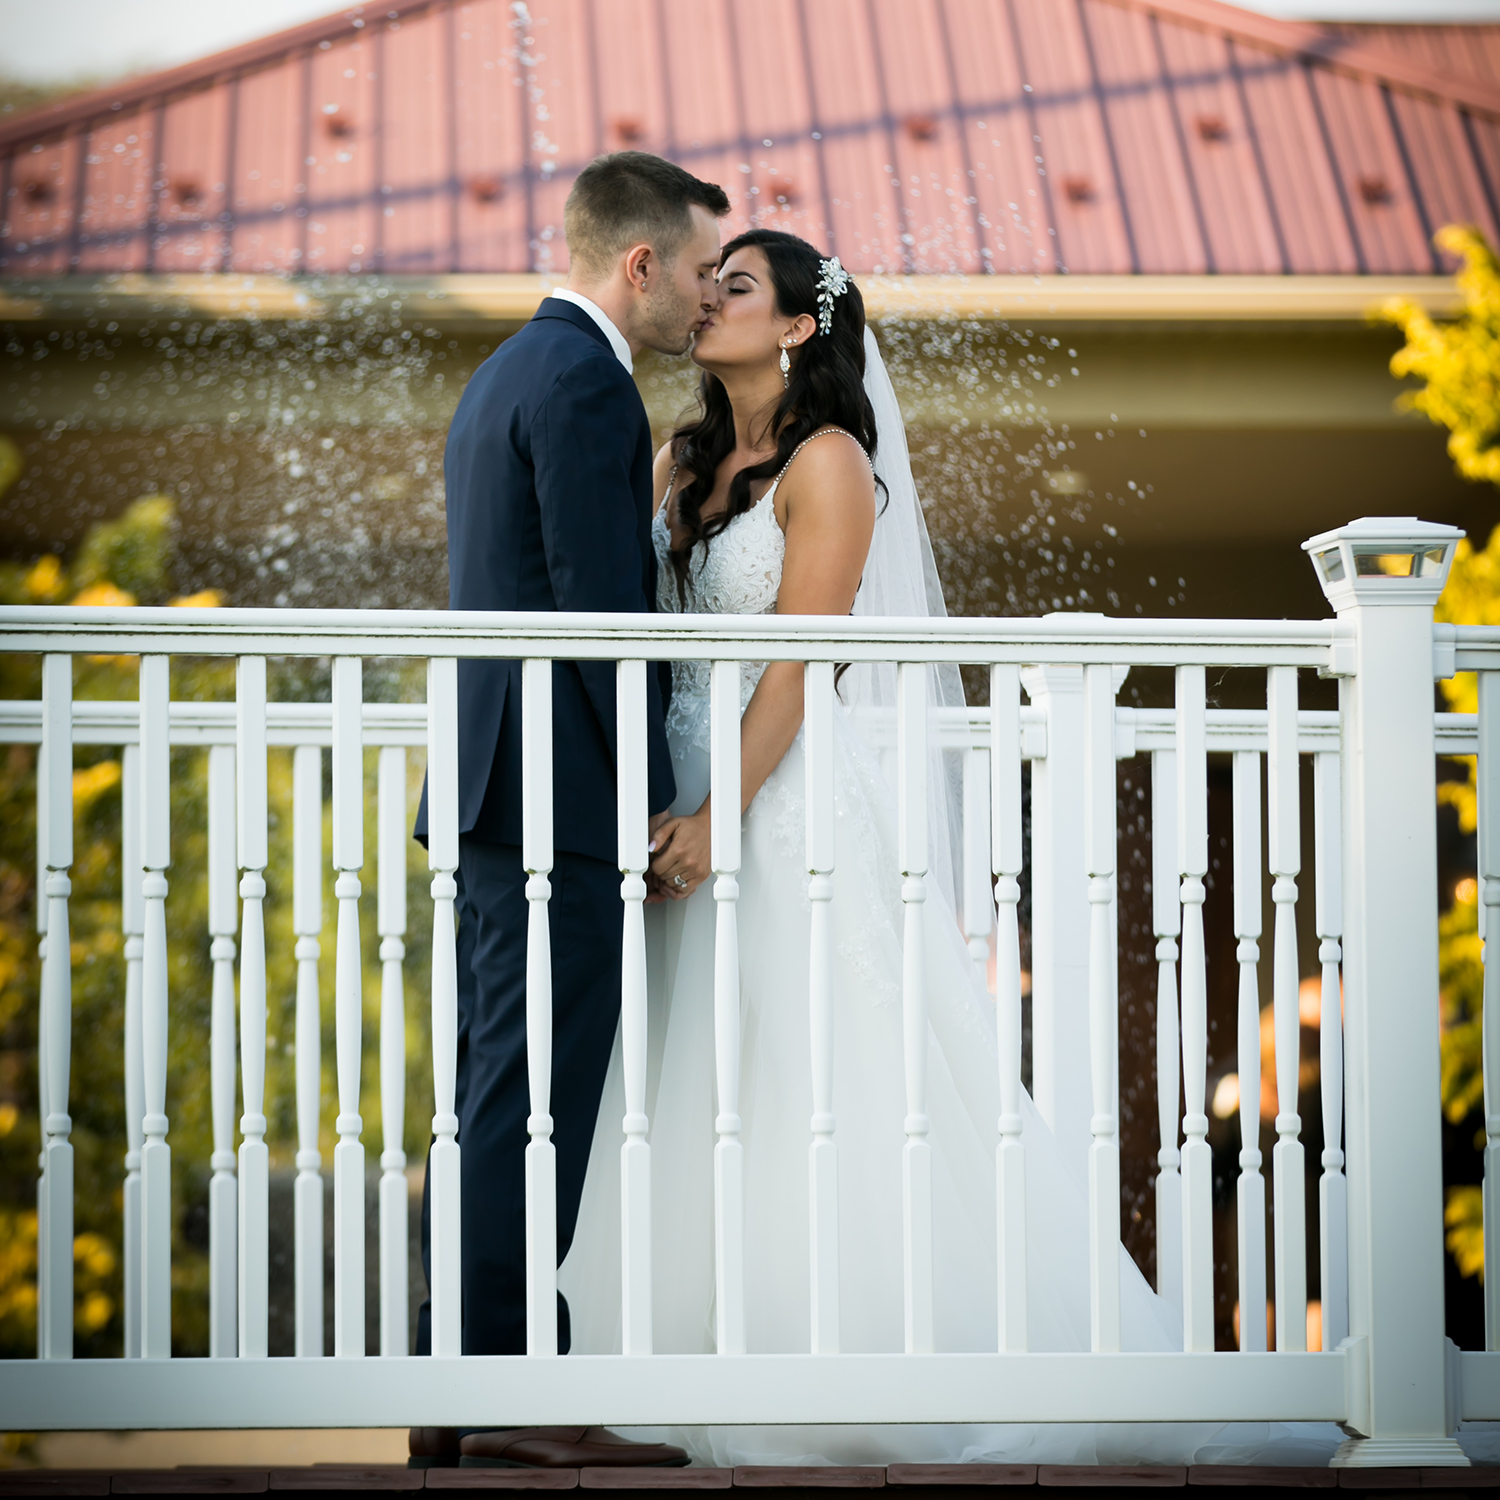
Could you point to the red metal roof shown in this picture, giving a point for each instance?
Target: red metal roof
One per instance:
(933, 136)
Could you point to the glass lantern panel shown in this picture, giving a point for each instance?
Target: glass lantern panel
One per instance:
(1332, 564)
(1385, 564)
(1430, 562)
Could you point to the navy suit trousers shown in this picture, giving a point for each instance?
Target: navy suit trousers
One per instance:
(585, 919)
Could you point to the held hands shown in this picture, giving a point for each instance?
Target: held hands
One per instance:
(681, 856)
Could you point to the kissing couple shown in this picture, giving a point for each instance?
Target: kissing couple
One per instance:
(789, 492)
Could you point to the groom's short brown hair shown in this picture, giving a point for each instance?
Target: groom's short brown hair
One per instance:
(633, 198)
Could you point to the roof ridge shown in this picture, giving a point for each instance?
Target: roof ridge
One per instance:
(49, 119)
(1318, 43)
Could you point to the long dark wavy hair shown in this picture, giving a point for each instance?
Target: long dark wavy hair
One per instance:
(826, 388)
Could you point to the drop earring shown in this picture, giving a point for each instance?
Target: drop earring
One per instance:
(786, 368)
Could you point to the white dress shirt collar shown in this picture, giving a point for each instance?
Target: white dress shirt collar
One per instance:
(613, 334)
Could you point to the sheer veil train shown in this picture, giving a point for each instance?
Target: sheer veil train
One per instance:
(900, 579)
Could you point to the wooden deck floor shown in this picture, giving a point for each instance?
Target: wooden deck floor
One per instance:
(913, 1481)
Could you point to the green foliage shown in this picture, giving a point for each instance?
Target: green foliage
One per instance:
(121, 562)
(133, 553)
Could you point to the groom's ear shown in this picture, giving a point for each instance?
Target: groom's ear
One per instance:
(640, 263)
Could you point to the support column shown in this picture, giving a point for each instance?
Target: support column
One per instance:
(1383, 576)
(1060, 1081)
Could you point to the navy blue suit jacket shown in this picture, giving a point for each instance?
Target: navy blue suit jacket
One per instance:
(548, 478)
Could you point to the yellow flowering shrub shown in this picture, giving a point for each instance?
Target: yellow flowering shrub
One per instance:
(1459, 361)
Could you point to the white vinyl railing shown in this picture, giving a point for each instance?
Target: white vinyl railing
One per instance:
(1383, 1368)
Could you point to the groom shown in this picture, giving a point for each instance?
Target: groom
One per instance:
(548, 474)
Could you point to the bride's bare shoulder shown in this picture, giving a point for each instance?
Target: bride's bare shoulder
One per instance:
(833, 471)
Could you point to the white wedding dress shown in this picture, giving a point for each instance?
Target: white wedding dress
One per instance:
(740, 574)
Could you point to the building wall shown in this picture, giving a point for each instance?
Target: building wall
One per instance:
(1064, 466)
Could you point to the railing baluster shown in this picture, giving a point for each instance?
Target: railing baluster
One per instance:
(156, 1155)
(133, 923)
(822, 1152)
(391, 924)
(729, 1191)
(348, 1007)
(1005, 855)
(1489, 931)
(223, 923)
(307, 923)
(916, 1158)
(442, 859)
(57, 1004)
(41, 1053)
(1197, 1158)
(536, 859)
(1333, 1193)
(255, 1165)
(1166, 922)
(1251, 1191)
(635, 1150)
(1099, 800)
(979, 897)
(1283, 796)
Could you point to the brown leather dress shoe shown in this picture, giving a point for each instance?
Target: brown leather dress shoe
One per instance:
(564, 1448)
(432, 1448)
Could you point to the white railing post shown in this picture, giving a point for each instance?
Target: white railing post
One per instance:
(307, 924)
(348, 1008)
(1489, 932)
(156, 1155)
(1197, 1158)
(444, 1182)
(724, 856)
(391, 925)
(223, 923)
(822, 1153)
(45, 978)
(916, 1157)
(978, 895)
(1383, 576)
(255, 1165)
(1284, 823)
(635, 1150)
(57, 1007)
(1250, 1193)
(1166, 923)
(536, 860)
(1059, 911)
(1006, 855)
(1099, 802)
(133, 923)
(1333, 1196)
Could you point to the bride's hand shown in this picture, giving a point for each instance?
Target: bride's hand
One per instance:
(683, 852)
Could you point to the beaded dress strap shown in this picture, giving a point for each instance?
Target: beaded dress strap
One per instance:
(812, 437)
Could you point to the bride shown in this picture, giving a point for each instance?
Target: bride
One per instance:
(788, 495)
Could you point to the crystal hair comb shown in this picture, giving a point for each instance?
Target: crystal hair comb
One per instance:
(833, 282)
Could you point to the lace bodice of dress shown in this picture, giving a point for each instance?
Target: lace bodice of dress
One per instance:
(738, 573)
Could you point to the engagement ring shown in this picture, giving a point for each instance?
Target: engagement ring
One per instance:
(678, 881)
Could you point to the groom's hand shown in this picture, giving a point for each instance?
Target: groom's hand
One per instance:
(654, 891)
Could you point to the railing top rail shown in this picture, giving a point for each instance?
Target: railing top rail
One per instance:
(1061, 639)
